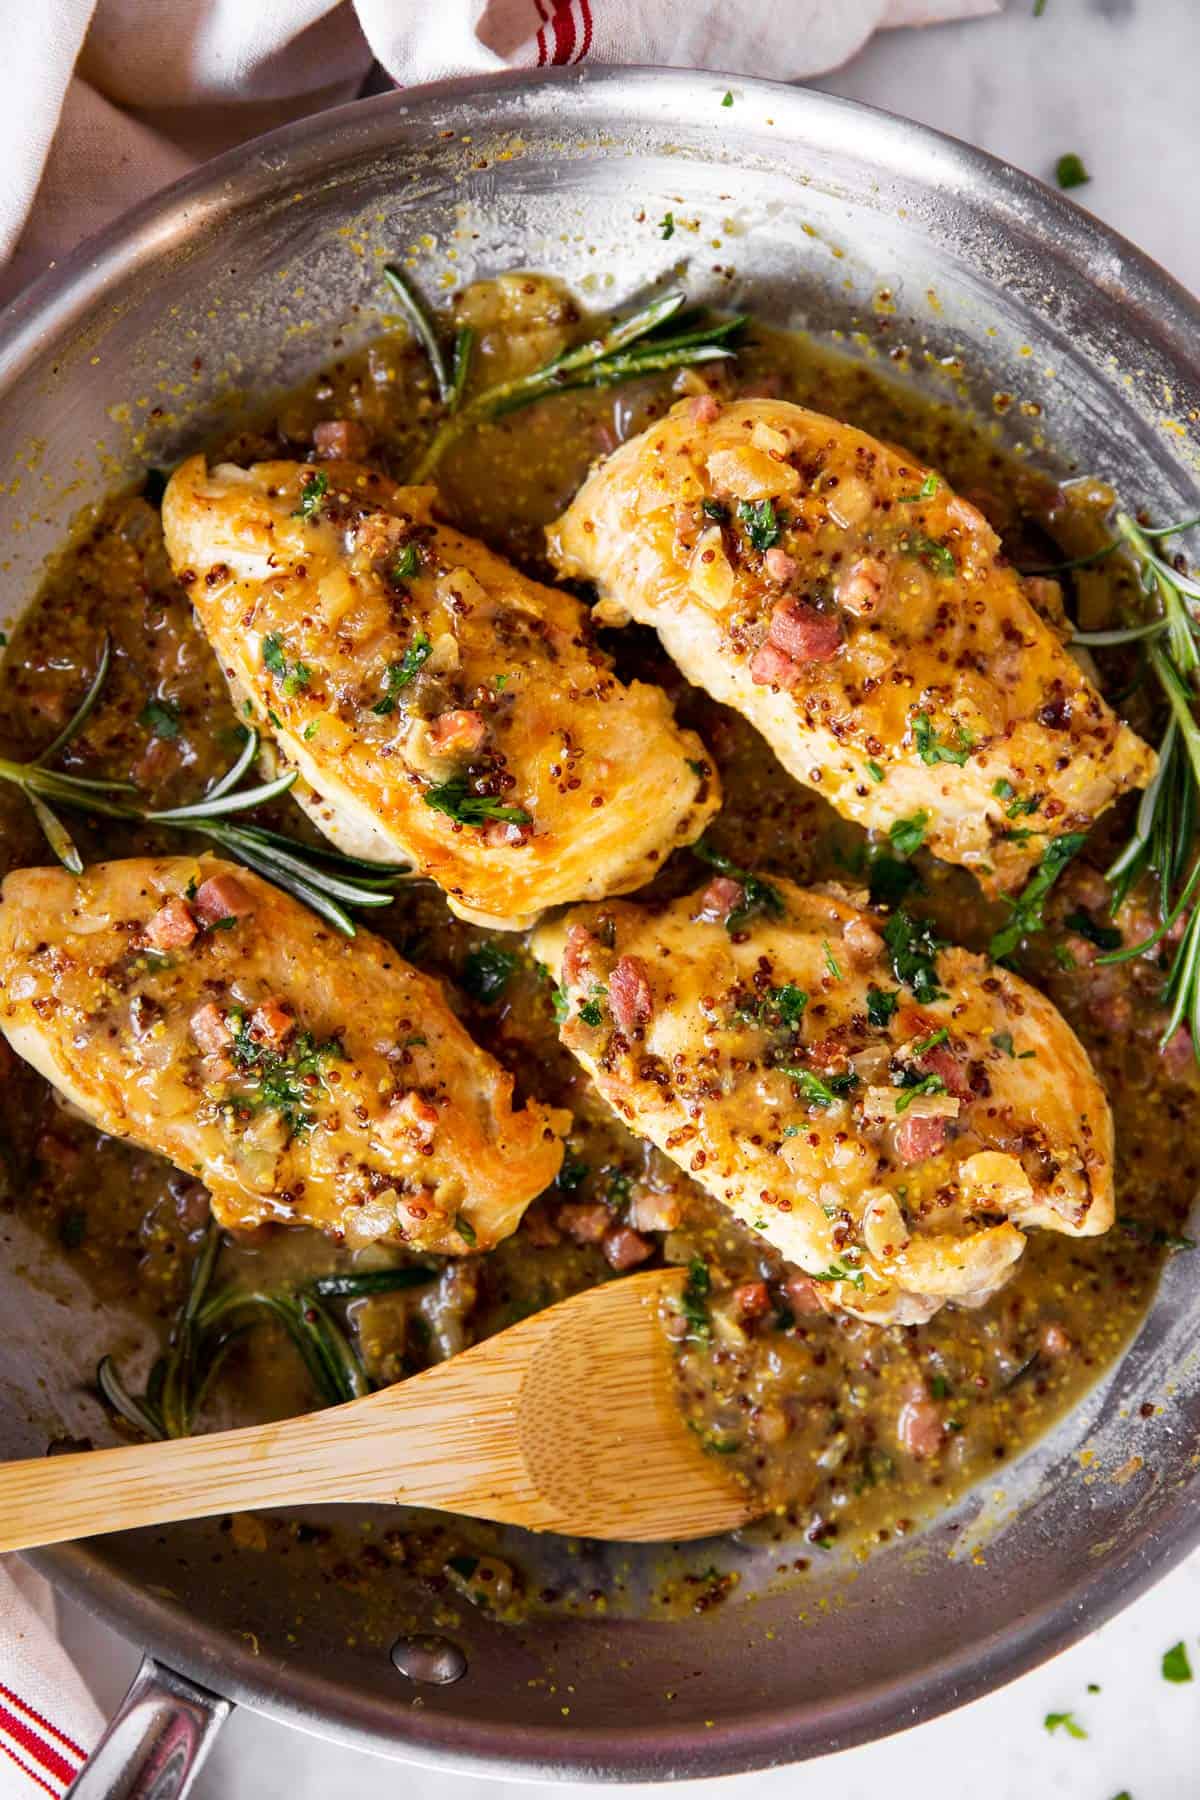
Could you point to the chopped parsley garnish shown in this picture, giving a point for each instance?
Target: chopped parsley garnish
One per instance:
(561, 1005)
(929, 551)
(465, 1229)
(620, 1186)
(939, 1387)
(929, 1084)
(592, 1012)
(820, 1092)
(874, 771)
(293, 679)
(667, 225)
(285, 1083)
(758, 896)
(1003, 790)
(406, 563)
(714, 510)
(856, 1278)
(1154, 1235)
(1022, 807)
(694, 1300)
(929, 1043)
(881, 1007)
(1106, 937)
(932, 750)
(907, 835)
(487, 970)
(1027, 908)
(1069, 171)
(759, 522)
(161, 717)
(926, 491)
(1067, 1721)
(399, 674)
(310, 731)
(72, 1228)
(831, 961)
(455, 799)
(890, 880)
(1175, 1664)
(1003, 1040)
(914, 947)
(572, 1174)
(311, 495)
(788, 1001)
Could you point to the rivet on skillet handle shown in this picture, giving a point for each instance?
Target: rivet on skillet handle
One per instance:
(157, 1741)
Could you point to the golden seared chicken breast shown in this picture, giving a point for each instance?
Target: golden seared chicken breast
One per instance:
(889, 1113)
(863, 618)
(441, 708)
(306, 1079)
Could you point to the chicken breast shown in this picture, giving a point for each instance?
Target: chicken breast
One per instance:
(191, 1007)
(442, 709)
(890, 1114)
(862, 617)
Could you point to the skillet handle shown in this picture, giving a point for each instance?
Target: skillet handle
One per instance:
(156, 1742)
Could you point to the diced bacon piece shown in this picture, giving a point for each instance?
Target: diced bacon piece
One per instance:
(1178, 1053)
(272, 1025)
(209, 1029)
(458, 733)
(408, 1119)
(803, 633)
(919, 1426)
(720, 898)
(779, 565)
(769, 667)
(630, 997)
(172, 927)
(705, 410)
(1114, 1013)
(503, 834)
(863, 588)
(577, 955)
(752, 1300)
(379, 535)
(539, 1227)
(942, 1061)
(343, 438)
(584, 1221)
(863, 943)
(624, 1248)
(222, 897)
(804, 1296)
(919, 1137)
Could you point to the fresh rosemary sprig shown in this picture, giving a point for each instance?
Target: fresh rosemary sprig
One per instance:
(323, 878)
(208, 1326)
(1162, 844)
(633, 347)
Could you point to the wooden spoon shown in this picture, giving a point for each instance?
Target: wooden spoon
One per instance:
(567, 1422)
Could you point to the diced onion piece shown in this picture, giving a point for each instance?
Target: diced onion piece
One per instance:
(751, 474)
(710, 576)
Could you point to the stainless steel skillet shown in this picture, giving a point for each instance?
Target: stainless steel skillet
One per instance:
(812, 212)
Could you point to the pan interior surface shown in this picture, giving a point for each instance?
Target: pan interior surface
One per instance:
(873, 235)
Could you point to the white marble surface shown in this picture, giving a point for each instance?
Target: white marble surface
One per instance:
(1115, 81)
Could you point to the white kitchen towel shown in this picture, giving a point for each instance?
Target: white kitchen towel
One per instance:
(104, 101)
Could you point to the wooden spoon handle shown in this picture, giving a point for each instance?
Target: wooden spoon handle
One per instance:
(446, 1438)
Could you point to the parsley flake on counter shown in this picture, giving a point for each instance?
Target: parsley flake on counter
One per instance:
(1067, 1722)
(311, 495)
(1069, 171)
(667, 225)
(728, 100)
